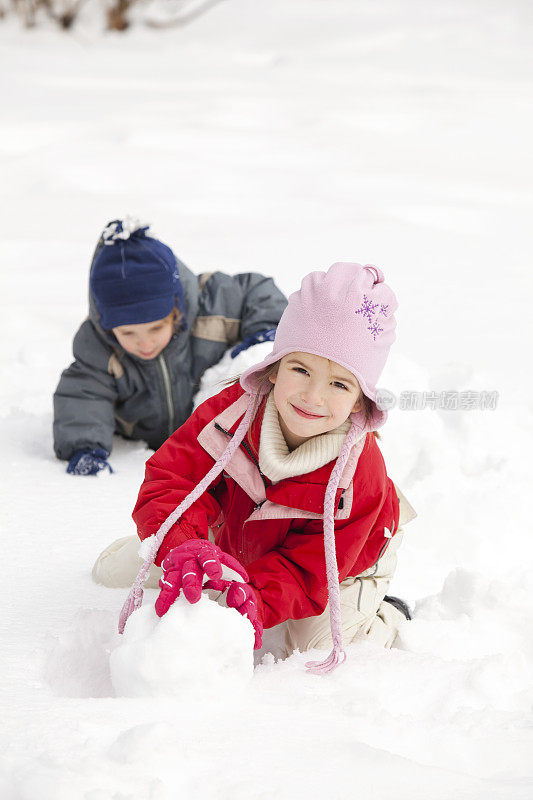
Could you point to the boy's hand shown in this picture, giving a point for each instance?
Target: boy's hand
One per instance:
(89, 462)
(254, 338)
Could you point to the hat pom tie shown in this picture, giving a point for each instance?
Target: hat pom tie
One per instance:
(121, 229)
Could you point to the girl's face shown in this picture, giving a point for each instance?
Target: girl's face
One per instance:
(313, 395)
(146, 339)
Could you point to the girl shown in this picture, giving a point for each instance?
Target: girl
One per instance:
(153, 329)
(282, 468)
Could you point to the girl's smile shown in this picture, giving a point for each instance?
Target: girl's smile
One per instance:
(306, 414)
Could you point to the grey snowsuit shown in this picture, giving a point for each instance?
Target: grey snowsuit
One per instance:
(107, 390)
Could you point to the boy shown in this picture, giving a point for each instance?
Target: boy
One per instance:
(153, 329)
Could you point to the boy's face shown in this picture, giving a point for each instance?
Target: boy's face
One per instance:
(146, 339)
(313, 395)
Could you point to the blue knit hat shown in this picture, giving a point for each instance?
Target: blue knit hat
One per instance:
(134, 277)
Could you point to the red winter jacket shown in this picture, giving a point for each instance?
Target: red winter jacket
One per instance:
(274, 530)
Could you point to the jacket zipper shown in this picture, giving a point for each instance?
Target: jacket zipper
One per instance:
(245, 446)
(163, 368)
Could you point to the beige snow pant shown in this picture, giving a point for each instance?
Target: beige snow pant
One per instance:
(364, 613)
(117, 566)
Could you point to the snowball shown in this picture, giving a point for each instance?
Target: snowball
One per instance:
(193, 648)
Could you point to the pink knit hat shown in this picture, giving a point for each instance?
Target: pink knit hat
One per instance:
(345, 315)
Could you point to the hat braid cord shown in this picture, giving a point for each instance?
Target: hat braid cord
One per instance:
(135, 596)
(337, 655)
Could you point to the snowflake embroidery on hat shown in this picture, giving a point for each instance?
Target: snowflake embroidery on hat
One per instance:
(375, 330)
(368, 310)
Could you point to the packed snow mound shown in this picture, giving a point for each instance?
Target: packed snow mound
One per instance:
(482, 626)
(77, 661)
(472, 617)
(195, 649)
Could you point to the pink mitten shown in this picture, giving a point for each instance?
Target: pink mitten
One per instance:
(242, 597)
(184, 568)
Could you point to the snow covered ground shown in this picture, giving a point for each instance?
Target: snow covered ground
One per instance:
(279, 137)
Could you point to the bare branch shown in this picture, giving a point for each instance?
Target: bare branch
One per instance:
(184, 19)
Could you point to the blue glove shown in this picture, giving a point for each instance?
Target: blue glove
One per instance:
(89, 462)
(254, 338)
